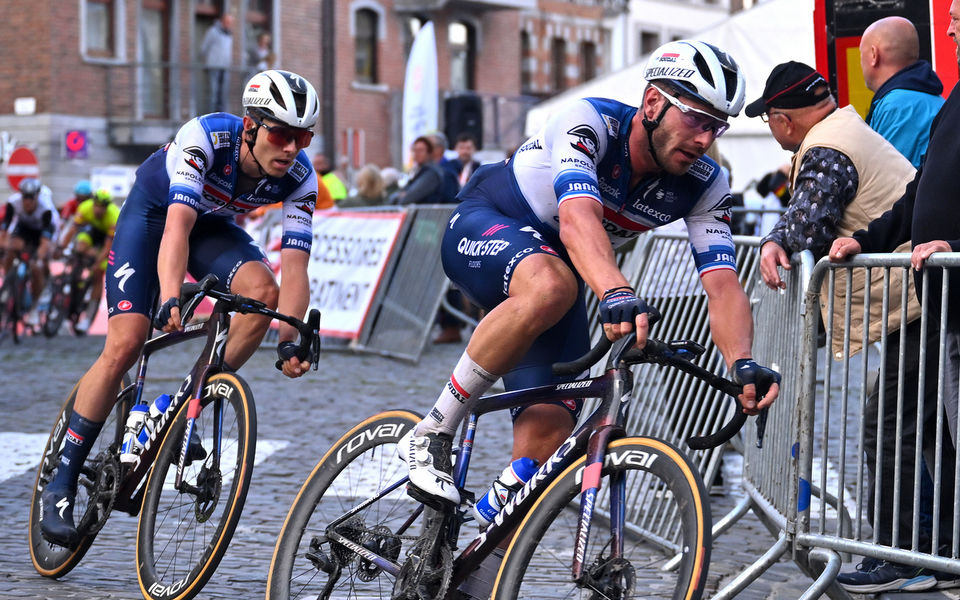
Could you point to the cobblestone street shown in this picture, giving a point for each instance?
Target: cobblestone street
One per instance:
(297, 420)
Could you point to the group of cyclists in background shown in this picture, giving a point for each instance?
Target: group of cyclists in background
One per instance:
(77, 237)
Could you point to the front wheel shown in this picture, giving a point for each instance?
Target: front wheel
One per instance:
(183, 534)
(538, 562)
(307, 562)
(51, 319)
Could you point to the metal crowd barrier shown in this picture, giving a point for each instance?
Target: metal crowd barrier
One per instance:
(820, 507)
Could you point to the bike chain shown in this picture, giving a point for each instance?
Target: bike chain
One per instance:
(101, 493)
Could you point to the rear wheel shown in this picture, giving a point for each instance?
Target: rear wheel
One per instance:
(307, 563)
(538, 561)
(52, 560)
(183, 534)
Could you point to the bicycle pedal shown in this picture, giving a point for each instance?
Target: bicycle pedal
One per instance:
(438, 504)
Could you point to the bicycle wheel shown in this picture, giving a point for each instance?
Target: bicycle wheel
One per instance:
(52, 318)
(538, 561)
(354, 469)
(10, 307)
(52, 560)
(182, 536)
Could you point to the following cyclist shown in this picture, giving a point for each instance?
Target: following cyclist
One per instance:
(179, 218)
(93, 225)
(30, 222)
(82, 191)
(528, 233)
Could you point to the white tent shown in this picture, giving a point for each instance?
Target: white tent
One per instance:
(758, 39)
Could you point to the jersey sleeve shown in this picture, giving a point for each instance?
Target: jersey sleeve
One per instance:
(298, 209)
(577, 141)
(189, 157)
(708, 226)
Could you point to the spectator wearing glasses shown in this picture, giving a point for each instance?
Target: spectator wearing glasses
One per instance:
(180, 217)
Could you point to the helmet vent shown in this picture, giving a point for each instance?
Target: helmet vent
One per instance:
(276, 95)
(704, 69)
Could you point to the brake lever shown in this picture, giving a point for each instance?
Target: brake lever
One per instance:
(761, 426)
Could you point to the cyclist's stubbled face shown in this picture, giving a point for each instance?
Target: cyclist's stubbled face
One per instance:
(274, 160)
(678, 146)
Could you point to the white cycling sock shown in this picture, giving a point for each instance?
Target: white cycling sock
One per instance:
(467, 383)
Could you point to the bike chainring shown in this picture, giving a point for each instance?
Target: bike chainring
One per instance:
(382, 541)
(102, 492)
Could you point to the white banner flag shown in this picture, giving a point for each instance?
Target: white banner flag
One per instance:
(349, 254)
(420, 90)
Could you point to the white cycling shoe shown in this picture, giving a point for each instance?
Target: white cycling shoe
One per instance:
(428, 459)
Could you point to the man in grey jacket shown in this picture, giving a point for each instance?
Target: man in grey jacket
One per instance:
(217, 52)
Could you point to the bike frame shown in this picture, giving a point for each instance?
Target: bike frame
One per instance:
(604, 425)
(130, 494)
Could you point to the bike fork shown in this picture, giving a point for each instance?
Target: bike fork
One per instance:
(590, 487)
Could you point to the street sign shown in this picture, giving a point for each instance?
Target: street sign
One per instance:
(75, 143)
(22, 164)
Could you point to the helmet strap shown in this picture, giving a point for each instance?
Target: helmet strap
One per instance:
(250, 138)
(649, 126)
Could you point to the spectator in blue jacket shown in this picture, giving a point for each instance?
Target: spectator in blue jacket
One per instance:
(906, 90)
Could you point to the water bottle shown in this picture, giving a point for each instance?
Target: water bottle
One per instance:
(157, 409)
(131, 448)
(503, 489)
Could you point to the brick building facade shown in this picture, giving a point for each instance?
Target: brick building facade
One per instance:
(127, 73)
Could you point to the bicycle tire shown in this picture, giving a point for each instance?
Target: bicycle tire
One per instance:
(10, 312)
(52, 318)
(537, 563)
(181, 537)
(355, 467)
(51, 560)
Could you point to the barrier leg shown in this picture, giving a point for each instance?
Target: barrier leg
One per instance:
(755, 570)
(719, 528)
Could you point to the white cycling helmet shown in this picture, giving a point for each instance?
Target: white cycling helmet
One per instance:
(701, 70)
(283, 96)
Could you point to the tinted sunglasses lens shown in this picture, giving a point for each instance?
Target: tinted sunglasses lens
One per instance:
(702, 122)
(281, 136)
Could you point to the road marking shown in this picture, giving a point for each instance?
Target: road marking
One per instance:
(20, 452)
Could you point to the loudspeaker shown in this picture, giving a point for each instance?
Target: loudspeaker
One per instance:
(463, 114)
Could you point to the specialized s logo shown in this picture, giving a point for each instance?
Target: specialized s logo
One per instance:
(195, 157)
(123, 273)
(586, 140)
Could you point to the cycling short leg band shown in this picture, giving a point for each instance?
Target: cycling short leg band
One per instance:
(468, 382)
(81, 434)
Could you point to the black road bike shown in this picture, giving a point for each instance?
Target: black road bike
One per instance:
(188, 509)
(353, 532)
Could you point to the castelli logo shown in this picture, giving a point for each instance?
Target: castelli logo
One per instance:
(125, 305)
(227, 169)
(571, 404)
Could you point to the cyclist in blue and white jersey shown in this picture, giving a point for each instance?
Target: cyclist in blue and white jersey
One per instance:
(179, 217)
(530, 232)
(30, 222)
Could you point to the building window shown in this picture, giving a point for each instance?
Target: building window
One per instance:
(99, 24)
(588, 61)
(413, 26)
(365, 47)
(462, 42)
(154, 53)
(526, 73)
(558, 64)
(259, 34)
(648, 42)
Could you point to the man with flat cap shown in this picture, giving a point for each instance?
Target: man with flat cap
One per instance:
(843, 175)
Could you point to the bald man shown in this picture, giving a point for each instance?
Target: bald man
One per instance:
(906, 90)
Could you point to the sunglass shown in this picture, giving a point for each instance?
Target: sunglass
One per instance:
(765, 117)
(282, 135)
(696, 119)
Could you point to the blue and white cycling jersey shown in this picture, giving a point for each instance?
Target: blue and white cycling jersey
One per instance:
(200, 168)
(582, 152)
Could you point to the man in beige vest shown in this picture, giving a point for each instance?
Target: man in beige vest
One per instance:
(843, 176)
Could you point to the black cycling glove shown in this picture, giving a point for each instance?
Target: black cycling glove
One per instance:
(287, 350)
(746, 371)
(621, 305)
(163, 313)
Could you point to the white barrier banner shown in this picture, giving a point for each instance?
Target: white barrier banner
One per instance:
(349, 254)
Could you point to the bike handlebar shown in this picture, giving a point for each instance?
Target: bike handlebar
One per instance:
(308, 347)
(677, 354)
